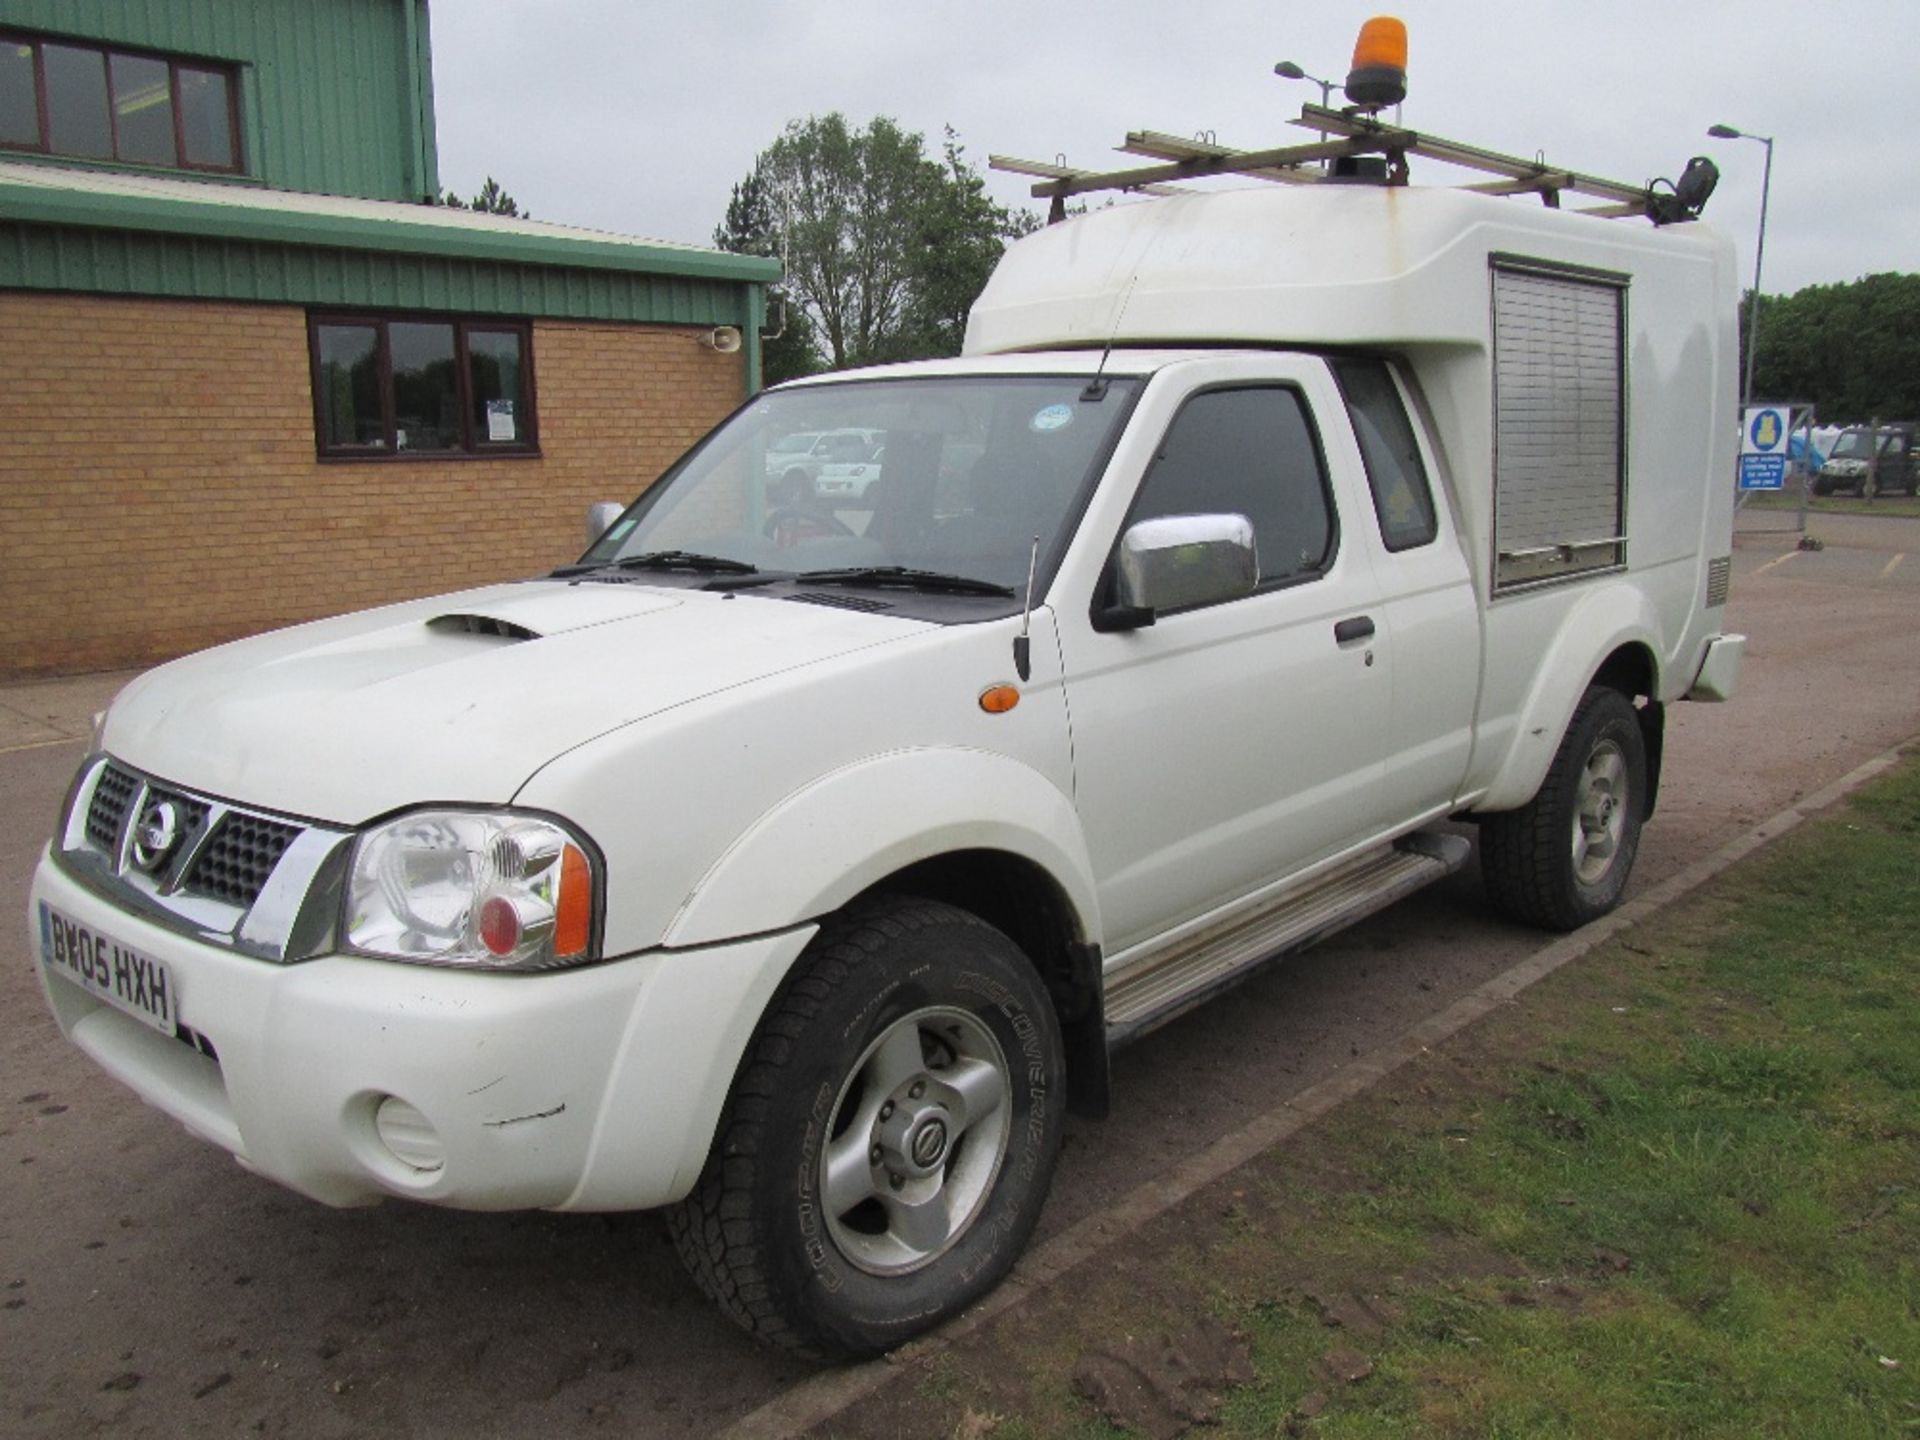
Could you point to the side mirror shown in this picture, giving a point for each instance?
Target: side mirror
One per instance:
(1179, 562)
(601, 515)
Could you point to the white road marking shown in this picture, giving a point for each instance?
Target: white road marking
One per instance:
(1892, 565)
(1777, 560)
(43, 744)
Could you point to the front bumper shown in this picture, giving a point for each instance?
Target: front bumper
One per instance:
(590, 1089)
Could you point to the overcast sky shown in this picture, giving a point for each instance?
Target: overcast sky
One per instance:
(640, 115)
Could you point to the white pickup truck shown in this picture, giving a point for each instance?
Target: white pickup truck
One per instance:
(798, 870)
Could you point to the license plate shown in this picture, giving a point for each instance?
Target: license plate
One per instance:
(101, 965)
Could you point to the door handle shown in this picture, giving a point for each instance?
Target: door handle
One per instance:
(1360, 627)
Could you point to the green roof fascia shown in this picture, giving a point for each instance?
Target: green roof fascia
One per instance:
(124, 262)
(93, 210)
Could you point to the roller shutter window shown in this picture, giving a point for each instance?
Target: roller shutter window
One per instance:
(1559, 425)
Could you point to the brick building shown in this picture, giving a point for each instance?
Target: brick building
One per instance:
(253, 376)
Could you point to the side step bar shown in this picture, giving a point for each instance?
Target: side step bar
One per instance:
(1162, 986)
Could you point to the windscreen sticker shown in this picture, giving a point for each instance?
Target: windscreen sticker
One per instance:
(619, 532)
(1053, 417)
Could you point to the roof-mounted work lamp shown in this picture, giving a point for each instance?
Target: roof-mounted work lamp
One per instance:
(1379, 73)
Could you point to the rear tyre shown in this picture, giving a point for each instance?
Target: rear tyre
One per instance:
(1563, 858)
(890, 1139)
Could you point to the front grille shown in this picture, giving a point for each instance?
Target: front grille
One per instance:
(209, 880)
(193, 814)
(238, 858)
(112, 793)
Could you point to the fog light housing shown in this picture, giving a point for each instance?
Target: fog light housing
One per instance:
(409, 1136)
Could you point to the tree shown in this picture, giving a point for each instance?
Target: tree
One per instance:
(748, 229)
(1851, 349)
(884, 249)
(963, 233)
(492, 200)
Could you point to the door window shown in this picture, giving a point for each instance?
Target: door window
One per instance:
(1402, 499)
(1248, 451)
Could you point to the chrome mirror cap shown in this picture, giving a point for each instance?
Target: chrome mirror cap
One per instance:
(1180, 561)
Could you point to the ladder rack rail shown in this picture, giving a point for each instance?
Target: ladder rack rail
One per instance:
(1343, 133)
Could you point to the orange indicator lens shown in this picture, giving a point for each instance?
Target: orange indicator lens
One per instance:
(573, 917)
(998, 699)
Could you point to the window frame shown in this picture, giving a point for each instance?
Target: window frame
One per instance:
(527, 448)
(42, 103)
(1104, 591)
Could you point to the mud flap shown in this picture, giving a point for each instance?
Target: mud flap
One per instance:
(1081, 1006)
(1653, 730)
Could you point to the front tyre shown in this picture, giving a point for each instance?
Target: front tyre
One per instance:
(889, 1141)
(1563, 858)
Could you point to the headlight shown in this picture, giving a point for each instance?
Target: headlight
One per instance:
(490, 890)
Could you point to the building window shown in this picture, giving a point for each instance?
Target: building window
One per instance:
(392, 385)
(93, 103)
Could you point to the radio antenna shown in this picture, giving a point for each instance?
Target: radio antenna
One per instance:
(1022, 643)
(1097, 387)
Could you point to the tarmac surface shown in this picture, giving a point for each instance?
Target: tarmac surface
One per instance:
(150, 1286)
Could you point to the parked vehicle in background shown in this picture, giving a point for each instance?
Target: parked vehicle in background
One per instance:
(1851, 464)
(794, 462)
(851, 483)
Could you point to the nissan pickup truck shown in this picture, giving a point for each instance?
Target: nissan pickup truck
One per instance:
(799, 877)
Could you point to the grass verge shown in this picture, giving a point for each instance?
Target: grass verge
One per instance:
(1674, 1191)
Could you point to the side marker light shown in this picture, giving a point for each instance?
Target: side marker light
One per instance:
(998, 699)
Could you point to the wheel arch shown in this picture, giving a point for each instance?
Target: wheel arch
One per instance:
(913, 822)
(1027, 905)
(1611, 638)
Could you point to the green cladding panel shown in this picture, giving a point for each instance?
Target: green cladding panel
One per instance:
(200, 267)
(336, 95)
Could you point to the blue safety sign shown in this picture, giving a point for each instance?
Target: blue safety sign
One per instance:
(1763, 448)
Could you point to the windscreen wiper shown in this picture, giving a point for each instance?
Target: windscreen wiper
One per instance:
(900, 577)
(665, 560)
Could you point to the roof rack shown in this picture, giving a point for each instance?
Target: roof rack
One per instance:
(1343, 133)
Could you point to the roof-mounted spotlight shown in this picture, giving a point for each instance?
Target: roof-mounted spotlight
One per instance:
(1379, 73)
(1685, 198)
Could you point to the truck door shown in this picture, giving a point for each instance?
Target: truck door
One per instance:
(1428, 606)
(1227, 745)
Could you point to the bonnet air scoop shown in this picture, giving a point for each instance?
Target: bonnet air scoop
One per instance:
(492, 626)
(541, 609)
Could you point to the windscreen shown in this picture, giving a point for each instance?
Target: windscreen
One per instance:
(956, 475)
(1854, 445)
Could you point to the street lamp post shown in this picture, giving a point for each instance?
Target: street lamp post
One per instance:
(1287, 70)
(1727, 132)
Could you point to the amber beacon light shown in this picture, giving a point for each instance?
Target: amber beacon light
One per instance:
(1379, 73)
